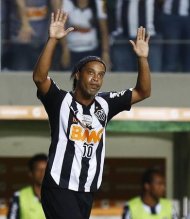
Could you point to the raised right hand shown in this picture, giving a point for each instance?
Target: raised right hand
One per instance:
(57, 26)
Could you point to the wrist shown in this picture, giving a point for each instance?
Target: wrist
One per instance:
(105, 51)
(53, 40)
(142, 58)
(25, 24)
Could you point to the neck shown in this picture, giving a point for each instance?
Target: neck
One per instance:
(82, 4)
(82, 98)
(37, 191)
(149, 200)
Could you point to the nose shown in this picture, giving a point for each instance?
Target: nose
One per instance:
(95, 77)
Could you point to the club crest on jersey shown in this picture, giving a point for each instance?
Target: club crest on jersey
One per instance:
(100, 114)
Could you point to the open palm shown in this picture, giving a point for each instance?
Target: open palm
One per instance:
(141, 46)
(57, 26)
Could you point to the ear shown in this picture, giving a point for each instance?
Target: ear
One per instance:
(146, 186)
(77, 76)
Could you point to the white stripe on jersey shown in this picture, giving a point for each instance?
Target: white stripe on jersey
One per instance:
(167, 7)
(102, 162)
(133, 17)
(182, 10)
(150, 17)
(61, 145)
(76, 167)
(104, 105)
(183, 7)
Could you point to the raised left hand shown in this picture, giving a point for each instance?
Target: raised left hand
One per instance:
(140, 46)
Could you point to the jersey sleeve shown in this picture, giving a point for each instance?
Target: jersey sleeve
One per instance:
(117, 101)
(14, 211)
(126, 213)
(52, 100)
(52, 103)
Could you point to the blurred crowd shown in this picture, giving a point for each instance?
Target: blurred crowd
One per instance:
(102, 28)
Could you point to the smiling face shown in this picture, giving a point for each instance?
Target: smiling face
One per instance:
(90, 79)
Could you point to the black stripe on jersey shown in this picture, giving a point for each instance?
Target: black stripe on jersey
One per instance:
(74, 107)
(124, 19)
(84, 173)
(98, 158)
(156, 18)
(69, 155)
(142, 13)
(85, 160)
(175, 7)
(14, 209)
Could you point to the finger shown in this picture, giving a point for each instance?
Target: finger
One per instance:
(65, 15)
(147, 38)
(52, 18)
(132, 43)
(139, 33)
(61, 16)
(69, 30)
(143, 33)
(57, 15)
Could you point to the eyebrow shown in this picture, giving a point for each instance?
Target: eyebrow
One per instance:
(89, 68)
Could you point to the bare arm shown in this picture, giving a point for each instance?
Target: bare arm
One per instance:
(21, 8)
(142, 89)
(56, 32)
(105, 41)
(26, 31)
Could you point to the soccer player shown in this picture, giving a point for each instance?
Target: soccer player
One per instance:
(78, 119)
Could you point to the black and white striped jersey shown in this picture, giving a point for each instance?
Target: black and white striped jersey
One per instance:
(131, 14)
(77, 150)
(176, 7)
